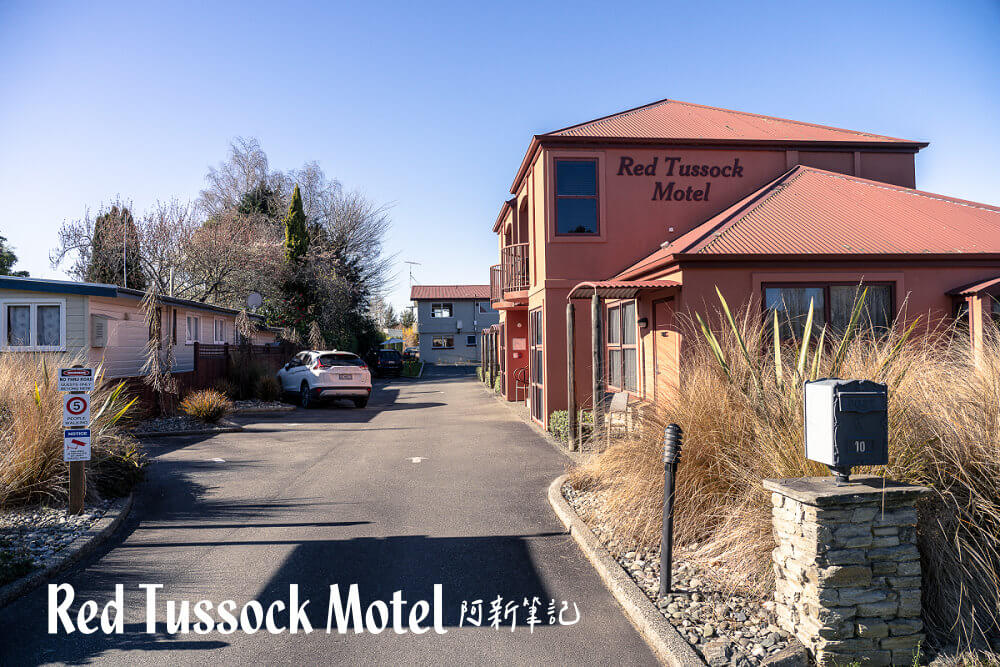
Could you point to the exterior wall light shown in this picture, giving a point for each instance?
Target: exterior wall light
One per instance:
(643, 322)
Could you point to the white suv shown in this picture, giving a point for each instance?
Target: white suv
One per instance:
(321, 374)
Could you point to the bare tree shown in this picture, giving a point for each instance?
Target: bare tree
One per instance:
(245, 171)
(159, 353)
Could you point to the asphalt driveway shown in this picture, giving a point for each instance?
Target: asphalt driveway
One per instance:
(432, 483)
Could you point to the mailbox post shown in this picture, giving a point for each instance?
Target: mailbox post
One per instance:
(846, 424)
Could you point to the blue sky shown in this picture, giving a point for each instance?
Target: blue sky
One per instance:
(430, 106)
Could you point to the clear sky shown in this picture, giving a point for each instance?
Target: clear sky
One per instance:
(430, 106)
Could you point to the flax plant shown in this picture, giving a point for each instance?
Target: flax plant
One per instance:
(740, 405)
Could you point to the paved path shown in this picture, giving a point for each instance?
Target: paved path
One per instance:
(332, 496)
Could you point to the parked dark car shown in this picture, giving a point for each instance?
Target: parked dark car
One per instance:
(386, 362)
(411, 354)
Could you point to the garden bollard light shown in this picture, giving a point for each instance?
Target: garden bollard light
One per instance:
(672, 437)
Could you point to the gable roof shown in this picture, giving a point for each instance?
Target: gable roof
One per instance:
(809, 211)
(673, 119)
(418, 292)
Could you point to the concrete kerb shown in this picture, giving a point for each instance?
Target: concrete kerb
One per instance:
(256, 412)
(78, 549)
(668, 645)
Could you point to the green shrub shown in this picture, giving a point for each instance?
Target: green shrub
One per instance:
(207, 405)
(559, 424)
(268, 388)
(411, 368)
(479, 374)
(243, 376)
(498, 385)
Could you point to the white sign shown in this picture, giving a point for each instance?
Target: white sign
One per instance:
(76, 410)
(76, 444)
(76, 379)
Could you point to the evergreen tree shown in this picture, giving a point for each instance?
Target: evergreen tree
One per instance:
(106, 250)
(296, 236)
(408, 319)
(8, 259)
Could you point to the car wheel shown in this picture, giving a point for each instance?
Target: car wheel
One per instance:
(305, 396)
(360, 402)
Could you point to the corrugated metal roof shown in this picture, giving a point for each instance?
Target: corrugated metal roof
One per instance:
(976, 287)
(618, 289)
(418, 292)
(812, 211)
(671, 119)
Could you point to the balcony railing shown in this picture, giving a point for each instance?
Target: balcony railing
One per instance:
(496, 291)
(511, 274)
(514, 265)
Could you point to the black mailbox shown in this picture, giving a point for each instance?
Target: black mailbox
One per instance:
(846, 424)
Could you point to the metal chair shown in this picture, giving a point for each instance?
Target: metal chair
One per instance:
(521, 383)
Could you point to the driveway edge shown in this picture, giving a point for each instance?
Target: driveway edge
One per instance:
(76, 550)
(670, 648)
(231, 427)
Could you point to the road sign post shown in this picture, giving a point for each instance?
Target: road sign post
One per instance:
(78, 381)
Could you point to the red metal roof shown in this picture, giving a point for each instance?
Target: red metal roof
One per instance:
(976, 287)
(450, 292)
(618, 289)
(671, 119)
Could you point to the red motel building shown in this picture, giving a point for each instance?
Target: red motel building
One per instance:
(641, 215)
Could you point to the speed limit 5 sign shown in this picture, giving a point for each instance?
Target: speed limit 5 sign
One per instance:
(76, 410)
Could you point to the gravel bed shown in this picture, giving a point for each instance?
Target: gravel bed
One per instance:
(177, 423)
(42, 532)
(257, 404)
(725, 629)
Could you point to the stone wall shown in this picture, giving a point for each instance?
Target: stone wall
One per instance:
(847, 569)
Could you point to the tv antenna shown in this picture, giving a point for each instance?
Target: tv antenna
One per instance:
(412, 264)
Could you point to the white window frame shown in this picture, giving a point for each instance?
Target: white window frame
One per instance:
(188, 338)
(220, 326)
(471, 337)
(451, 309)
(483, 307)
(443, 347)
(32, 325)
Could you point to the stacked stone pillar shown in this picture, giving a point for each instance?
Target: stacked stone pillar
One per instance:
(847, 569)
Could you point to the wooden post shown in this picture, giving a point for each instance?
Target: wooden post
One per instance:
(597, 343)
(77, 486)
(571, 439)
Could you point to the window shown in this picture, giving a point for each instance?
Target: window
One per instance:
(483, 307)
(441, 310)
(340, 359)
(34, 325)
(622, 351)
(536, 358)
(576, 197)
(443, 342)
(173, 326)
(192, 329)
(470, 340)
(220, 331)
(832, 305)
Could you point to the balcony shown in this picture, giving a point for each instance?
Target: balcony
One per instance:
(511, 274)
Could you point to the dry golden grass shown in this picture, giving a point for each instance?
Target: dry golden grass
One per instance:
(207, 405)
(31, 439)
(944, 421)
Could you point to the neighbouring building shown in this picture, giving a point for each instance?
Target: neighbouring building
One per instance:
(104, 324)
(649, 211)
(449, 320)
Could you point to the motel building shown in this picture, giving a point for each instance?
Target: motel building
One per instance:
(641, 215)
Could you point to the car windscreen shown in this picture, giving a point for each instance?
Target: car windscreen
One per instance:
(389, 355)
(340, 360)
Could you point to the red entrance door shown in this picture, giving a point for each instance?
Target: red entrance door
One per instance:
(666, 350)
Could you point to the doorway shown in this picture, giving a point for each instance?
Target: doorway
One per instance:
(666, 350)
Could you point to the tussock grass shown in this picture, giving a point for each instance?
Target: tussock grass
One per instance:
(207, 405)
(31, 438)
(743, 423)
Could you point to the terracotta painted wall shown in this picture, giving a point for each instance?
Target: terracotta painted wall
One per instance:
(515, 327)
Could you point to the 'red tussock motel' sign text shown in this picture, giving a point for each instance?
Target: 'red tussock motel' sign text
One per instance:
(675, 166)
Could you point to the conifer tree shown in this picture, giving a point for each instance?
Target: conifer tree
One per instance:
(296, 236)
(106, 250)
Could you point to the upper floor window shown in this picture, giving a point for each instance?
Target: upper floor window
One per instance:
(483, 307)
(34, 325)
(576, 197)
(441, 310)
(832, 305)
